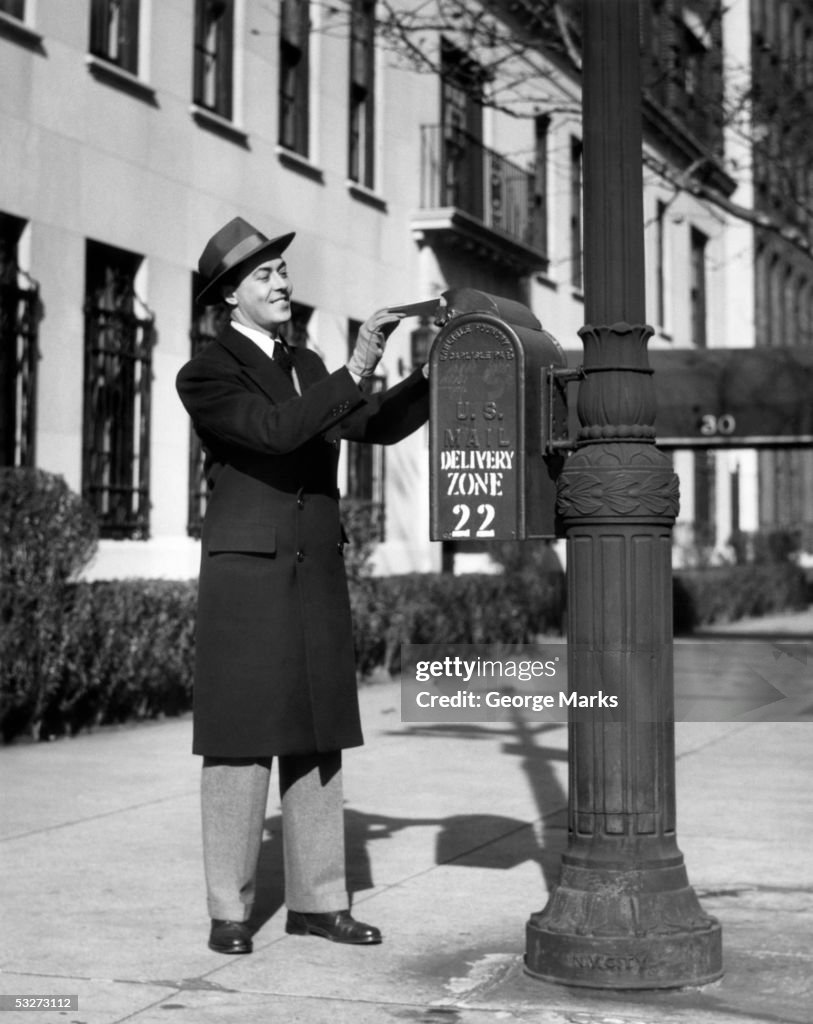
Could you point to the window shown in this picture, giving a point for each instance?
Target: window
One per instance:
(461, 115)
(697, 288)
(118, 371)
(365, 466)
(114, 32)
(362, 92)
(19, 316)
(294, 76)
(539, 222)
(576, 241)
(214, 42)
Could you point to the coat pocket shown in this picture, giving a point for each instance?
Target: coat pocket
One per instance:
(250, 538)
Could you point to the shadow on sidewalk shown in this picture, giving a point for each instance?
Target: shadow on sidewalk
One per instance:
(466, 840)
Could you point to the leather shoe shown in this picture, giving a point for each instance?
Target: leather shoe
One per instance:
(337, 926)
(230, 937)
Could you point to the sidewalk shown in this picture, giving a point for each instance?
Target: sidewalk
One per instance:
(454, 835)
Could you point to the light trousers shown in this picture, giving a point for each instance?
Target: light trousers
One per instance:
(234, 793)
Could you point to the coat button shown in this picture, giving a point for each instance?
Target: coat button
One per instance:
(300, 502)
(300, 556)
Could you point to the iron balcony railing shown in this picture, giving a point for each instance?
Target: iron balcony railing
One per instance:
(460, 172)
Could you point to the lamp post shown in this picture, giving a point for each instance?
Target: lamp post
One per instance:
(623, 914)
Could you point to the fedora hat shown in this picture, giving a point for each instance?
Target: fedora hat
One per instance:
(232, 245)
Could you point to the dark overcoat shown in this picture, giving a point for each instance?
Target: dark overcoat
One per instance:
(274, 663)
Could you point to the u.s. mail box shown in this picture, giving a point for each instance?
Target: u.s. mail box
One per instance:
(494, 406)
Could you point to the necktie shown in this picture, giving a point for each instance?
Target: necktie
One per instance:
(282, 356)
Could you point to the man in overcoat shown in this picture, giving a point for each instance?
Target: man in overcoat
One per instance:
(274, 666)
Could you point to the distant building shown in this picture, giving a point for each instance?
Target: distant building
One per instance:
(133, 129)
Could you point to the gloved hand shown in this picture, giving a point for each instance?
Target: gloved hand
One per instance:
(372, 338)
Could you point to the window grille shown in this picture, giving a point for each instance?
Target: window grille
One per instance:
(294, 76)
(119, 335)
(114, 32)
(214, 43)
(362, 93)
(366, 462)
(19, 320)
(365, 474)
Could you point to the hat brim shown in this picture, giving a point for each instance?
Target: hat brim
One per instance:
(212, 294)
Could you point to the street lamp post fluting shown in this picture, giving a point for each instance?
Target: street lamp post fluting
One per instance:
(623, 914)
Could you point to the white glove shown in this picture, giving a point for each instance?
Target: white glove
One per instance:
(372, 338)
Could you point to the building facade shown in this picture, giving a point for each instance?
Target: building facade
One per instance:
(133, 129)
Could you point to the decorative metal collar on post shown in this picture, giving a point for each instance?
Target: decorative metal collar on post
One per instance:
(623, 914)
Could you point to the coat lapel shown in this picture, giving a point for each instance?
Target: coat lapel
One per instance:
(262, 370)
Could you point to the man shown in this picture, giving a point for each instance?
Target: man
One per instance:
(274, 668)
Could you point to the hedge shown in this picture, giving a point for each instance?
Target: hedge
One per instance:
(123, 651)
(727, 593)
(75, 655)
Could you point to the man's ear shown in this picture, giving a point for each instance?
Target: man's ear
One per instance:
(227, 291)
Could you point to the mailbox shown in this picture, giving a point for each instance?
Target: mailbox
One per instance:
(496, 409)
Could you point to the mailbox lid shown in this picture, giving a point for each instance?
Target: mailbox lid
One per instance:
(469, 300)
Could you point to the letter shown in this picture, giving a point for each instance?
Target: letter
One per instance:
(419, 702)
(489, 410)
(474, 440)
(451, 437)
(568, 700)
(469, 667)
(462, 410)
(453, 484)
(421, 675)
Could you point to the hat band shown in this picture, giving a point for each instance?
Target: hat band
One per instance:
(244, 248)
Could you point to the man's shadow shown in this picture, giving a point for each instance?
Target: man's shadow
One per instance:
(491, 841)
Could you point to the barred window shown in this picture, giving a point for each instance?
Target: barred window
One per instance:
(214, 45)
(114, 32)
(19, 319)
(294, 76)
(117, 389)
(362, 92)
(366, 465)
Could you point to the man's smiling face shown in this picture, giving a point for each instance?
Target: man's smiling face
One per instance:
(262, 297)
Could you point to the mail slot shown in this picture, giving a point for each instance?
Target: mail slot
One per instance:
(495, 406)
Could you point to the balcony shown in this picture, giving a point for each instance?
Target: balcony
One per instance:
(475, 201)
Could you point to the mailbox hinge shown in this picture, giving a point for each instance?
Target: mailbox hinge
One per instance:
(556, 376)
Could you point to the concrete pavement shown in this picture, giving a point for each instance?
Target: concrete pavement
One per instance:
(454, 838)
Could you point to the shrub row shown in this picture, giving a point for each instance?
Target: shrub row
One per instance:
(728, 593)
(118, 651)
(122, 651)
(77, 655)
